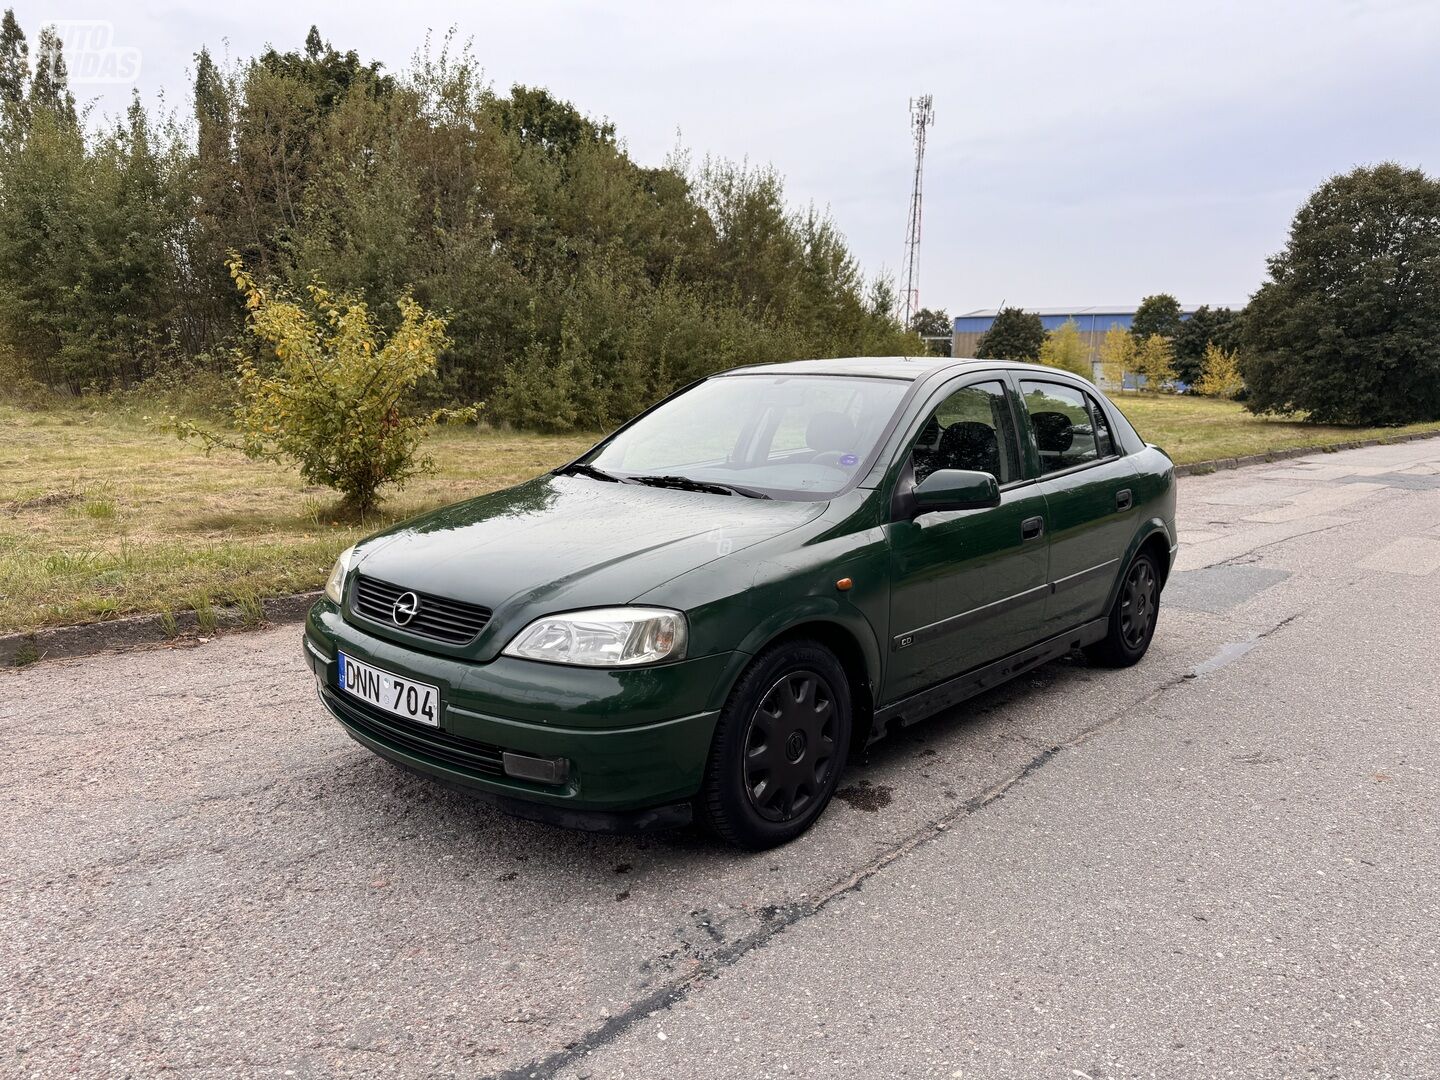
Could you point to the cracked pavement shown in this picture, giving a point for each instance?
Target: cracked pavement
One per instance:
(1221, 862)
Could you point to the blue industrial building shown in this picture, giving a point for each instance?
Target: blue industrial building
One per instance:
(1093, 322)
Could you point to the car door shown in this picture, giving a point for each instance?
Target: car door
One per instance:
(1089, 496)
(967, 586)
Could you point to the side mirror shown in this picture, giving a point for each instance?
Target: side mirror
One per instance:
(955, 489)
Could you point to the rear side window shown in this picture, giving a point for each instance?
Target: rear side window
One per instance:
(1070, 427)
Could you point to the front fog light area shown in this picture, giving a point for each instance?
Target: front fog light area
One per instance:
(539, 770)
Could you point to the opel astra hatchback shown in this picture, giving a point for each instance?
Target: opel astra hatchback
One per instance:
(705, 615)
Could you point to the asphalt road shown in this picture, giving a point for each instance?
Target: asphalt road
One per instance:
(1222, 862)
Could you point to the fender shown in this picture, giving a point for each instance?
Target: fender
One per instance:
(831, 611)
(1146, 529)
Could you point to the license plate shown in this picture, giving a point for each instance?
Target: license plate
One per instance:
(415, 701)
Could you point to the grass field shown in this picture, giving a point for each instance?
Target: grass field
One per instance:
(104, 513)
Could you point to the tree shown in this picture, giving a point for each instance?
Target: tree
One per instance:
(50, 85)
(1065, 348)
(14, 81)
(1155, 359)
(1014, 335)
(335, 395)
(1117, 356)
(1346, 329)
(1205, 327)
(1220, 374)
(934, 324)
(1158, 314)
(579, 282)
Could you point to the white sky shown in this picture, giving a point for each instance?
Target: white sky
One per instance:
(1083, 153)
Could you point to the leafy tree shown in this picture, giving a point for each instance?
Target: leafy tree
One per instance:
(1065, 348)
(14, 81)
(1158, 314)
(50, 84)
(1014, 335)
(576, 285)
(930, 323)
(1346, 329)
(1220, 376)
(336, 394)
(1205, 327)
(1117, 355)
(1155, 359)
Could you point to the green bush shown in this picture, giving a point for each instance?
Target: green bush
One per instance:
(331, 392)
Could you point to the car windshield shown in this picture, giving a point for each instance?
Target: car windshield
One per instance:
(782, 436)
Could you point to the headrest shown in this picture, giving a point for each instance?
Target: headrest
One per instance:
(1053, 431)
(830, 431)
(968, 436)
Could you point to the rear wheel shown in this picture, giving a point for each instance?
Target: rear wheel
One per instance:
(779, 746)
(1132, 619)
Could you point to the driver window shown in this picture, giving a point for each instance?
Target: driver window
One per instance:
(971, 429)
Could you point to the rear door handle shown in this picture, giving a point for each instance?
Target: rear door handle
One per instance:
(1123, 499)
(1032, 528)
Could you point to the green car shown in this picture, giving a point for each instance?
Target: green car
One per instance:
(707, 614)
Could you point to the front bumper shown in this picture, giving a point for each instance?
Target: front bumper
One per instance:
(636, 740)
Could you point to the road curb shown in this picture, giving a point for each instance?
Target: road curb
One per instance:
(1204, 468)
(146, 631)
(149, 631)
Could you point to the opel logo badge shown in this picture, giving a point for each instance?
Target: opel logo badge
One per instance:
(407, 606)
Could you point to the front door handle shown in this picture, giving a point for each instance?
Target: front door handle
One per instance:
(1032, 528)
(1123, 499)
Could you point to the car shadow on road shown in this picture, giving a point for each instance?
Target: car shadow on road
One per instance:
(910, 777)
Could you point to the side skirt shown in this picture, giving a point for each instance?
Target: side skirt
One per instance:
(945, 695)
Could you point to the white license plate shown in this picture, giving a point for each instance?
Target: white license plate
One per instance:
(416, 701)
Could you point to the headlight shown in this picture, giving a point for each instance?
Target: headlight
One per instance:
(603, 637)
(335, 586)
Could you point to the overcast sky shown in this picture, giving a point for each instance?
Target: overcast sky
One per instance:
(1083, 153)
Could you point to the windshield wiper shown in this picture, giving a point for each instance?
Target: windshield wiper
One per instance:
(580, 468)
(685, 483)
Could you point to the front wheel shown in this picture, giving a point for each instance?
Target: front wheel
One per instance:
(780, 744)
(1132, 619)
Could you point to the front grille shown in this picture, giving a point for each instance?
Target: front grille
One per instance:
(440, 619)
(428, 742)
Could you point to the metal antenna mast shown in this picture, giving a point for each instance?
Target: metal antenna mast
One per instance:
(922, 116)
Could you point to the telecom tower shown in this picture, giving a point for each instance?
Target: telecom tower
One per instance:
(922, 115)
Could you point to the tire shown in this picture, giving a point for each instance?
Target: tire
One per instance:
(1133, 618)
(779, 747)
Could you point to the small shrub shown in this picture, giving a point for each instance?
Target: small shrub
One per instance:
(335, 396)
(1155, 359)
(1117, 356)
(1064, 348)
(1220, 374)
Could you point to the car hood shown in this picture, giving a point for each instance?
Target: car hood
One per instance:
(562, 542)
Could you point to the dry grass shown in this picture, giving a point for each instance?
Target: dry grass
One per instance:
(1201, 429)
(105, 513)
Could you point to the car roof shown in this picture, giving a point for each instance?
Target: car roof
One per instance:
(909, 368)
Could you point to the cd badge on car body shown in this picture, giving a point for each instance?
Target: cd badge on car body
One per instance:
(407, 606)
